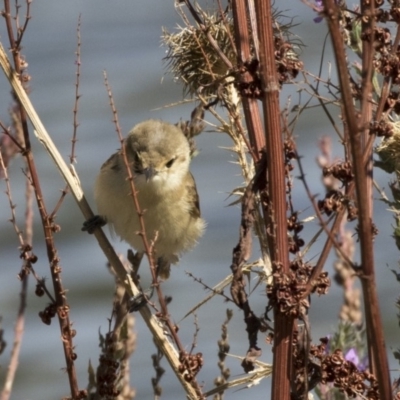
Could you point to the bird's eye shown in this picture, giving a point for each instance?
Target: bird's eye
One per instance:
(170, 162)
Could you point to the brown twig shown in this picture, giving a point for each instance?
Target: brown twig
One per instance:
(6, 131)
(156, 358)
(59, 203)
(329, 231)
(207, 287)
(195, 334)
(20, 323)
(223, 350)
(358, 129)
(241, 253)
(77, 95)
(72, 158)
(11, 204)
(21, 30)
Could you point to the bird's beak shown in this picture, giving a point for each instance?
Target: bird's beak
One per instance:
(149, 173)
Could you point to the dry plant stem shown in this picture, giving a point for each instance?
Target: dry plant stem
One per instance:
(129, 343)
(323, 104)
(241, 253)
(216, 290)
(77, 95)
(331, 238)
(18, 333)
(362, 180)
(13, 219)
(366, 95)
(20, 323)
(210, 289)
(206, 31)
(55, 269)
(58, 205)
(21, 30)
(195, 334)
(279, 252)
(253, 24)
(227, 27)
(387, 83)
(236, 117)
(250, 105)
(252, 378)
(365, 118)
(73, 182)
(6, 131)
(148, 248)
(330, 241)
(72, 158)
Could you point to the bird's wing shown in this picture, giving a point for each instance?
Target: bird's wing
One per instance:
(112, 163)
(193, 197)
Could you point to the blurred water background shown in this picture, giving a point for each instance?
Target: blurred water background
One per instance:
(123, 38)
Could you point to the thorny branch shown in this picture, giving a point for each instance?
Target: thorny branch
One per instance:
(188, 371)
(60, 307)
(20, 322)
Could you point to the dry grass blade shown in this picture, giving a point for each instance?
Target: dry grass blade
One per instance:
(219, 287)
(251, 379)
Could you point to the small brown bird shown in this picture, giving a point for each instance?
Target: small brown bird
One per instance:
(159, 155)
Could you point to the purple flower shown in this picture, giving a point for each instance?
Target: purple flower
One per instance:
(318, 8)
(352, 356)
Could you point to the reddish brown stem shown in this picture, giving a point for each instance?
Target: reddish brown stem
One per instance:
(277, 220)
(250, 105)
(358, 129)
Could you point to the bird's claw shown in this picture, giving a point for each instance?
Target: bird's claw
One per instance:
(92, 223)
(140, 300)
